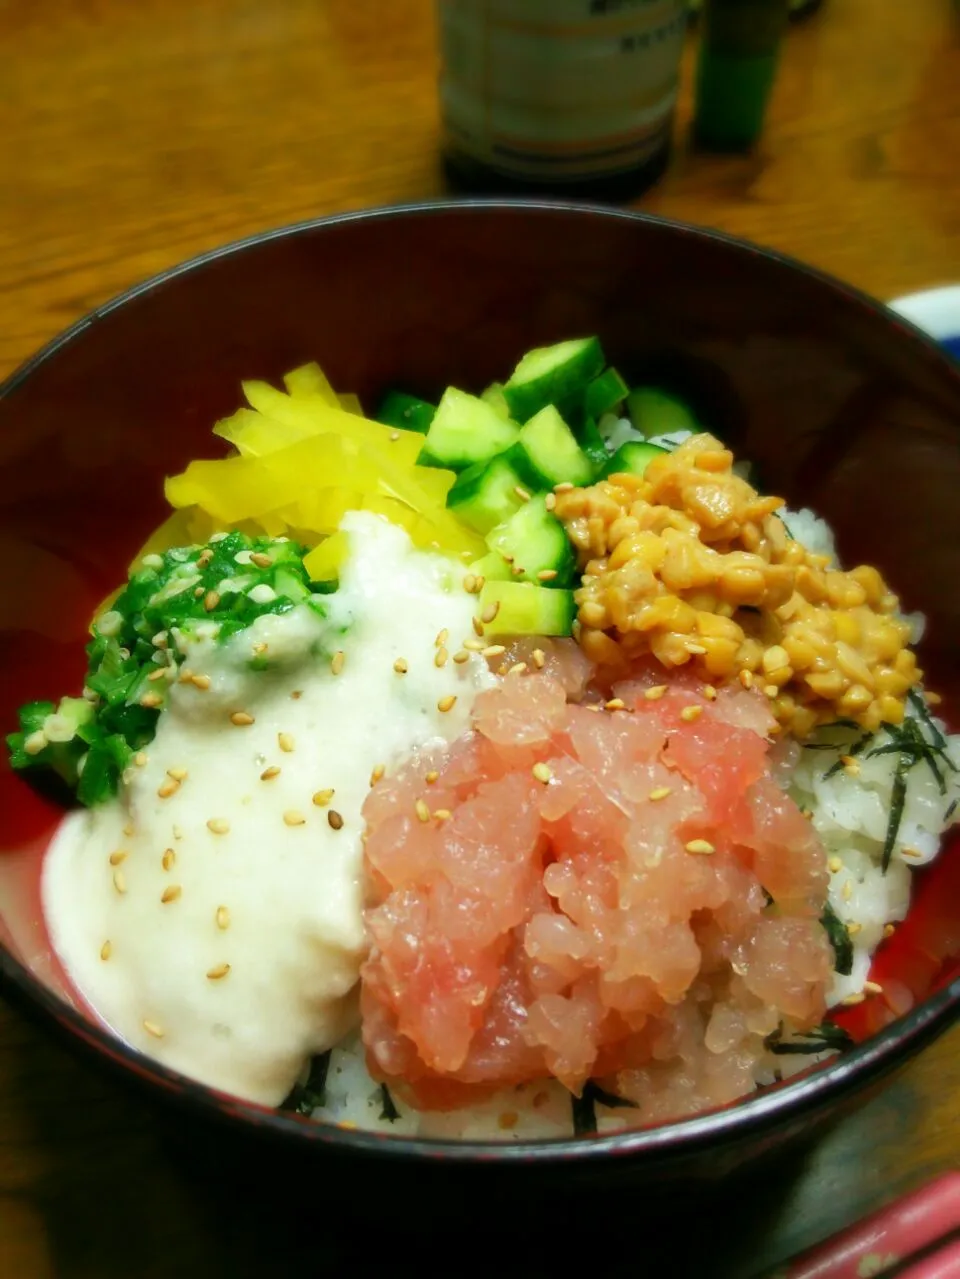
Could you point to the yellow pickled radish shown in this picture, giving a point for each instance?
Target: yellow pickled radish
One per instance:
(253, 435)
(351, 404)
(304, 457)
(323, 563)
(309, 379)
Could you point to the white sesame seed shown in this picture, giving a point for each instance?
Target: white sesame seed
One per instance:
(400, 666)
(169, 786)
(292, 818)
(422, 811)
(323, 797)
(153, 1029)
(377, 774)
(542, 772)
(168, 859)
(660, 792)
(655, 693)
(285, 742)
(119, 882)
(446, 703)
(241, 718)
(178, 774)
(337, 661)
(461, 656)
(690, 713)
(699, 846)
(539, 658)
(222, 918)
(106, 950)
(269, 773)
(218, 826)
(440, 657)
(171, 894)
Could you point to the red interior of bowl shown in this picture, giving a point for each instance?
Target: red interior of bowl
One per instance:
(842, 408)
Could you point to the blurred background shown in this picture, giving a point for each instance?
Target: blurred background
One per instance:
(135, 134)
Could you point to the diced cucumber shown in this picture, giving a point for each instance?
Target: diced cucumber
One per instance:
(495, 397)
(553, 455)
(552, 375)
(525, 609)
(591, 441)
(405, 412)
(535, 545)
(485, 494)
(656, 412)
(604, 394)
(465, 430)
(632, 458)
(492, 567)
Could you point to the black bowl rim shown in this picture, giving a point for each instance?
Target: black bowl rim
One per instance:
(874, 1057)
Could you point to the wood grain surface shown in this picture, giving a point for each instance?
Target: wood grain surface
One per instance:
(136, 133)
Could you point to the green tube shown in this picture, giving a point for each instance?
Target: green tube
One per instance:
(739, 48)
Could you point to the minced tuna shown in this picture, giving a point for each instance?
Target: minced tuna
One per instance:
(619, 892)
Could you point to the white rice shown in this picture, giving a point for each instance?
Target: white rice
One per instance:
(850, 811)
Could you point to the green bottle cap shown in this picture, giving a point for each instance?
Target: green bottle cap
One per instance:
(739, 49)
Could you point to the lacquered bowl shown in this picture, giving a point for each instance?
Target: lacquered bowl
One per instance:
(843, 406)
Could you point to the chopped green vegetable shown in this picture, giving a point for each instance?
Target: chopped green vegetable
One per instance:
(535, 544)
(552, 375)
(465, 430)
(170, 600)
(520, 608)
(405, 412)
(487, 493)
(656, 412)
(604, 394)
(633, 458)
(552, 453)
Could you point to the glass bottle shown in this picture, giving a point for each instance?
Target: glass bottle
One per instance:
(570, 97)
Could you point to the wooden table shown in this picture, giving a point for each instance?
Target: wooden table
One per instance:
(134, 135)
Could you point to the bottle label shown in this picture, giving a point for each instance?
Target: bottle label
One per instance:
(560, 90)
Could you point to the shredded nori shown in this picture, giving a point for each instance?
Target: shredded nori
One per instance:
(305, 1098)
(823, 1038)
(951, 809)
(583, 1108)
(388, 1109)
(855, 749)
(839, 939)
(908, 743)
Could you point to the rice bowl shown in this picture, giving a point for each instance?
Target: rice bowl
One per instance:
(859, 1060)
